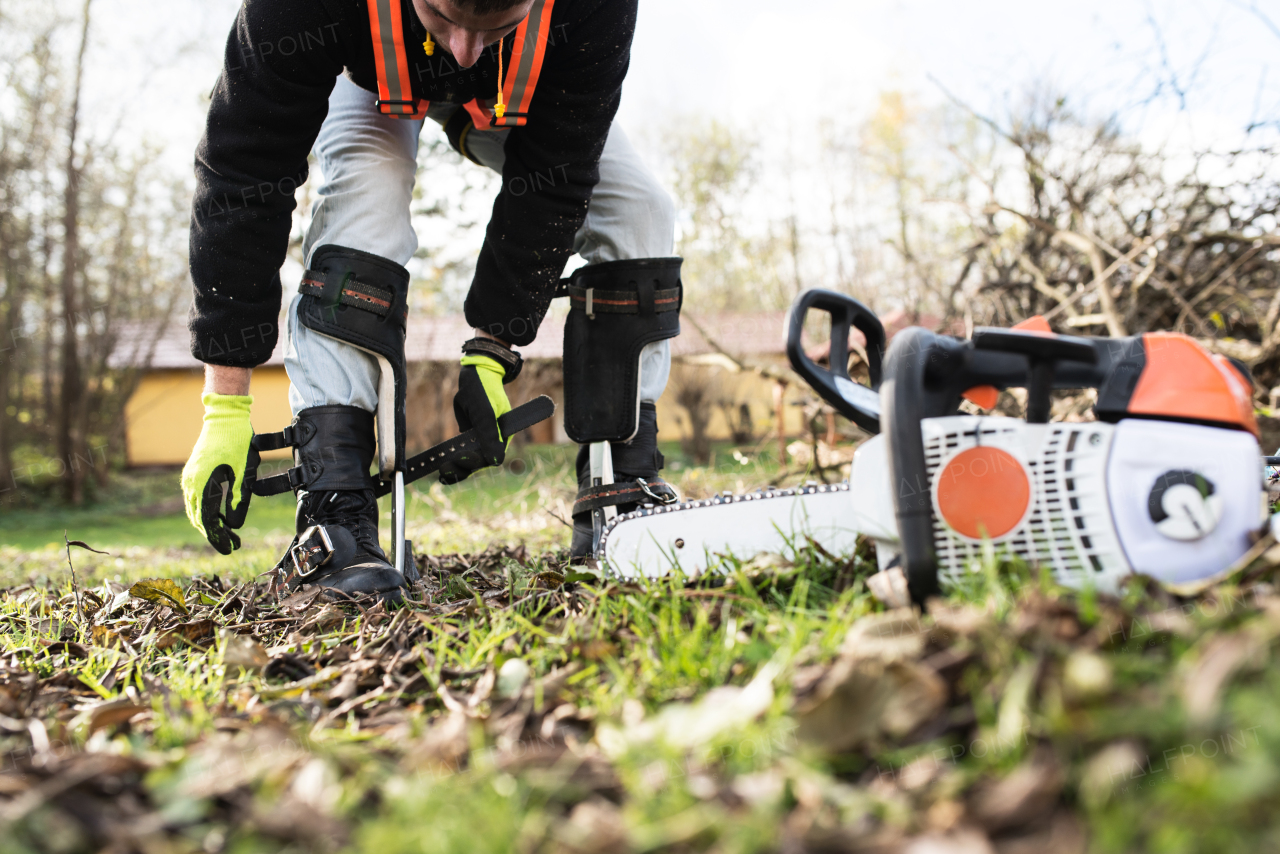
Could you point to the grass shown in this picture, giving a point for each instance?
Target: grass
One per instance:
(140, 522)
(522, 705)
(144, 508)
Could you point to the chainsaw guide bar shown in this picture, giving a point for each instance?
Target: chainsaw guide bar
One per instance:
(653, 540)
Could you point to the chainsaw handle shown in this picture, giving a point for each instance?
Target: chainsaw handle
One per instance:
(859, 404)
(1043, 353)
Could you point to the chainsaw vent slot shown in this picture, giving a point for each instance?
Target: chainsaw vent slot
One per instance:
(1068, 527)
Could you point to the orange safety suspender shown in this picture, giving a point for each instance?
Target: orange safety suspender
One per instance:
(395, 92)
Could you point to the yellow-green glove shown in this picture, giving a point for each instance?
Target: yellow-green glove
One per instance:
(480, 401)
(221, 470)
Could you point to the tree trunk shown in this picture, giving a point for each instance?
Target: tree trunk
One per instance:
(10, 307)
(70, 442)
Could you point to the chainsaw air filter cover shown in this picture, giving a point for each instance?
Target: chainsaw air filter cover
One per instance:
(1094, 502)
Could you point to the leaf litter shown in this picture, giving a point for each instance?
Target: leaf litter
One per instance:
(544, 708)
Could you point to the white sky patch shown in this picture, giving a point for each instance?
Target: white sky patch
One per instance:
(1177, 73)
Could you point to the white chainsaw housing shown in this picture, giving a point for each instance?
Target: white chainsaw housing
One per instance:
(1091, 514)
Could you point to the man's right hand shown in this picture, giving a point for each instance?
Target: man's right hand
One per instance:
(479, 403)
(214, 476)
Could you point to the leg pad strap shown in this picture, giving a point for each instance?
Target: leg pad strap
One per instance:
(361, 299)
(615, 309)
(638, 491)
(333, 449)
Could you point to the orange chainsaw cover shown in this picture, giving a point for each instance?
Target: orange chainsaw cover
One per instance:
(1183, 380)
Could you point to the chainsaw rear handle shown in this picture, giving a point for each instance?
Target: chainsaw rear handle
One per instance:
(926, 376)
(859, 404)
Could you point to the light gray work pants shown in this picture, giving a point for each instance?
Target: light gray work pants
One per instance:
(368, 162)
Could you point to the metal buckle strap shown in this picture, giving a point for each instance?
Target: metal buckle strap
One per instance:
(510, 360)
(613, 494)
(667, 497)
(313, 550)
(353, 293)
(597, 301)
(395, 92)
(289, 480)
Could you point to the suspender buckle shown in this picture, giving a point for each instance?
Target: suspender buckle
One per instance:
(386, 106)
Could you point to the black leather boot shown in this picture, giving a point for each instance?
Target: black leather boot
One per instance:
(337, 519)
(636, 481)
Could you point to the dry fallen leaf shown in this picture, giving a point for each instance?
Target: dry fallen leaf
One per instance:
(1019, 798)
(962, 620)
(1111, 768)
(1218, 659)
(192, 633)
(593, 827)
(471, 705)
(81, 544)
(862, 698)
(160, 591)
(892, 636)
(244, 651)
(301, 600)
(719, 710)
(113, 712)
(103, 636)
(963, 841)
(444, 747)
(71, 648)
(890, 587)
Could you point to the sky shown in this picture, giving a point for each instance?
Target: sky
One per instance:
(746, 62)
(766, 64)
(1174, 73)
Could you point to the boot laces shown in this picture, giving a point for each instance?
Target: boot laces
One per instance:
(355, 510)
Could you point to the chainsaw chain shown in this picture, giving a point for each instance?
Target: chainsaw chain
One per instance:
(762, 494)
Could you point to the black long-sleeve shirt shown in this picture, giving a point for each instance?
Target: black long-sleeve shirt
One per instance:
(282, 59)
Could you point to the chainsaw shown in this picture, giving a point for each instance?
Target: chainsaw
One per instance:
(1168, 480)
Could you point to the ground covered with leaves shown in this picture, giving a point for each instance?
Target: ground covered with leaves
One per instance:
(517, 704)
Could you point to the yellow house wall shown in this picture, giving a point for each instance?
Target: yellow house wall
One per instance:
(751, 388)
(164, 414)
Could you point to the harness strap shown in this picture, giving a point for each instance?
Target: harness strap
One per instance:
(395, 91)
(348, 291)
(289, 480)
(527, 54)
(654, 491)
(600, 301)
(298, 433)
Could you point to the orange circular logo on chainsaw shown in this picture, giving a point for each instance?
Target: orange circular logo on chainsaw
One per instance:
(983, 492)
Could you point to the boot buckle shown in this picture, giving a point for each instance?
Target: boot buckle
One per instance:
(313, 551)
